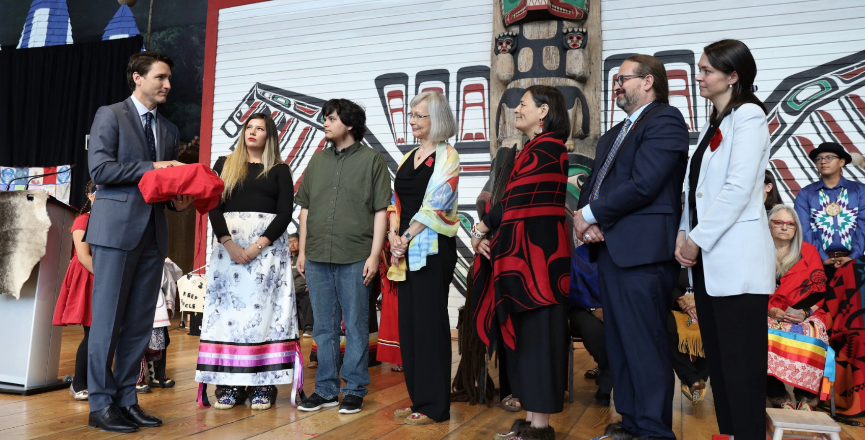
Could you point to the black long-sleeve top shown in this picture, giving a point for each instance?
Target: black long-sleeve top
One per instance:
(273, 194)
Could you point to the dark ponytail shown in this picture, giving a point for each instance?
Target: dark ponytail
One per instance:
(89, 189)
(730, 56)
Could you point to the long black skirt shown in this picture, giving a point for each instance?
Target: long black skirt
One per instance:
(537, 369)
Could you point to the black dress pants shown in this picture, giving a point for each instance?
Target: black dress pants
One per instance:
(424, 332)
(637, 302)
(591, 329)
(735, 339)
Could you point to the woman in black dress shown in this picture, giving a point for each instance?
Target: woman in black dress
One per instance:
(423, 226)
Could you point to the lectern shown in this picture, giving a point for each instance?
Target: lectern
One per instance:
(30, 346)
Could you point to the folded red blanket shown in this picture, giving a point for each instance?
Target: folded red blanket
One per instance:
(196, 180)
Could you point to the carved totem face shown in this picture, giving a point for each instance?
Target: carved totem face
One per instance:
(528, 10)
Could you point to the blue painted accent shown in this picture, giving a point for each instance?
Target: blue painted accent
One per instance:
(123, 23)
(58, 22)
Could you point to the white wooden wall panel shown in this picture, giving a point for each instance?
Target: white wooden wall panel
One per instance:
(795, 43)
(337, 49)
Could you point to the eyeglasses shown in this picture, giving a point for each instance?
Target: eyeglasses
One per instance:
(826, 158)
(620, 80)
(780, 224)
(416, 116)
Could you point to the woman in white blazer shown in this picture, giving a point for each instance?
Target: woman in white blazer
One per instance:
(723, 238)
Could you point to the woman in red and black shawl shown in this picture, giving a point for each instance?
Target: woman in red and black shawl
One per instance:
(522, 288)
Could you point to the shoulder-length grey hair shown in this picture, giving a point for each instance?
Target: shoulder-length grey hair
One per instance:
(783, 263)
(443, 126)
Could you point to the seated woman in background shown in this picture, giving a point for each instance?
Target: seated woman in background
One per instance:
(795, 307)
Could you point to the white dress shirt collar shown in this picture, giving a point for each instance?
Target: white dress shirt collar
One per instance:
(142, 109)
(635, 115)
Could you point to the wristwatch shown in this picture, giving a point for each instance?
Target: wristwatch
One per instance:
(475, 233)
(407, 235)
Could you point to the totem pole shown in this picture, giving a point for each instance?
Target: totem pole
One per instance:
(555, 43)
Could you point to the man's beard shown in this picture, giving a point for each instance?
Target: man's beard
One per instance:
(627, 101)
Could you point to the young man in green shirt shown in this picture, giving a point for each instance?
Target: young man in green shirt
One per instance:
(344, 196)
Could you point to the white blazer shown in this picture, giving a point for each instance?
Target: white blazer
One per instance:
(733, 233)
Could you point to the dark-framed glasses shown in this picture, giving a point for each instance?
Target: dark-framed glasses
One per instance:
(781, 224)
(620, 80)
(826, 158)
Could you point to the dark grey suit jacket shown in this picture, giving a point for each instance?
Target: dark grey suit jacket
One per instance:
(117, 157)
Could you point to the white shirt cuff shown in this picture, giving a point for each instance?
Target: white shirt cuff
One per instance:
(587, 215)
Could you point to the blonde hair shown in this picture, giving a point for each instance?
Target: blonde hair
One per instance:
(236, 164)
(783, 263)
(443, 126)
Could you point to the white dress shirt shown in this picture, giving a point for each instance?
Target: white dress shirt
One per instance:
(142, 110)
(587, 210)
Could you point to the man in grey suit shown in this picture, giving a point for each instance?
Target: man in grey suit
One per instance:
(129, 240)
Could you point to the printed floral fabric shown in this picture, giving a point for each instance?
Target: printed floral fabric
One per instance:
(249, 330)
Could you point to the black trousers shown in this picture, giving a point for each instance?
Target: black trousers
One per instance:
(538, 368)
(689, 372)
(304, 308)
(735, 339)
(637, 302)
(79, 380)
(424, 332)
(591, 329)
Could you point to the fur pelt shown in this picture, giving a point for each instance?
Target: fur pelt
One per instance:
(24, 228)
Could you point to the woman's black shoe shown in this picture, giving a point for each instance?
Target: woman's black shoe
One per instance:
(136, 414)
(111, 419)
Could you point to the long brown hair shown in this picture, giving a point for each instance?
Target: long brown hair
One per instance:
(88, 189)
(234, 169)
(730, 56)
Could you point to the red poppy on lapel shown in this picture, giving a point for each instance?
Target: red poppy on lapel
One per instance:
(716, 140)
(429, 161)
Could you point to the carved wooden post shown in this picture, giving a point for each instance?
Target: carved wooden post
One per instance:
(551, 42)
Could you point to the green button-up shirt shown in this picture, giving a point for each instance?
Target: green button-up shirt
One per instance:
(342, 193)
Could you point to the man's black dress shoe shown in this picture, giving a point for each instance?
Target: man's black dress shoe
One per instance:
(603, 398)
(137, 416)
(111, 419)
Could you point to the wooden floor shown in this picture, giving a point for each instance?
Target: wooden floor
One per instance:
(56, 415)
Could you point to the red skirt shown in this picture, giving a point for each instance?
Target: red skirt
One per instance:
(73, 305)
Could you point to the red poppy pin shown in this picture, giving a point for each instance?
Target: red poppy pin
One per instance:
(716, 140)
(429, 161)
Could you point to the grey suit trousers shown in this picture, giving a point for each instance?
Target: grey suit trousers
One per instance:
(125, 290)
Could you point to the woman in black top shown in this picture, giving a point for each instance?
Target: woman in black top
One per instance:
(249, 330)
(423, 226)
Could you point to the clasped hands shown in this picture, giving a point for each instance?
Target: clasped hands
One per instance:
(398, 248)
(794, 316)
(240, 255)
(686, 250)
(587, 233)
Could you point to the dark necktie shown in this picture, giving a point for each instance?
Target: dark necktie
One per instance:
(148, 132)
(596, 188)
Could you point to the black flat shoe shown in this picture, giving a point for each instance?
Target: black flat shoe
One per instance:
(111, 419)
(136, 415)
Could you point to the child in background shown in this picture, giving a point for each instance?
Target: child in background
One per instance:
(73, 304)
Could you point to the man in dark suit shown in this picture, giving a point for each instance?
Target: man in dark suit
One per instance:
(629, 214)
(129, 240)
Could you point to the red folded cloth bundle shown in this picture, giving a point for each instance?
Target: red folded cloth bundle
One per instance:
(196, 180)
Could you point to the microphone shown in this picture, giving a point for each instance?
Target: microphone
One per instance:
(31, 178)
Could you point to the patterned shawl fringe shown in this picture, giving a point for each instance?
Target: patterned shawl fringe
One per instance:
(465, 387)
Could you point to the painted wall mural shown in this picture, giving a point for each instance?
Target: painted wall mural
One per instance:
(301, 134)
